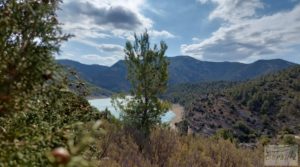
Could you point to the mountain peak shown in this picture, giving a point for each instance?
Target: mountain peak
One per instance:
(182, 69)
(119, 64)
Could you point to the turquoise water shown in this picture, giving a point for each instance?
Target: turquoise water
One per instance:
(102, 104)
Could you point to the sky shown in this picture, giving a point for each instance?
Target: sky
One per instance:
(209, 30)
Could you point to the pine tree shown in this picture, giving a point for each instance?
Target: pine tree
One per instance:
(148, 74)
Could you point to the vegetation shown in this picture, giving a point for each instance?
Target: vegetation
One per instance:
(266, 106)
(29, 35)
(76, 83)
(38, 112)
(273, 94)
(184, 94)
(45, 119)
(166, 148)
(27, 138)
(148, 75)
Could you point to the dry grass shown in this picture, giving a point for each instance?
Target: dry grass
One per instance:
(166, 148)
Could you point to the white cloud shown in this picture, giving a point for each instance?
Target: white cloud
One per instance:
(111, 48)
(92, 58)
(234, 10)
(97, 59)
(87, 32)
(105, 20)
(108, 54)
(247, 39)
(161, 34)
(103, 16)
(196, 39)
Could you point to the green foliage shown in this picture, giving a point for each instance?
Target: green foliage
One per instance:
(148, 74)
(184, 94)
(264, 140)
(242, 127)
(270, 93)
(288, 139)
(28, 137)
(38, 112)
(225, 134)
(29, 35)
(44, 123)
(263, 106)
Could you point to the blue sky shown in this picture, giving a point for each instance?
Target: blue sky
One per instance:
(208, 30)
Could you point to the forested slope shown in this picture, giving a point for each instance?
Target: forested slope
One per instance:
(268, 105)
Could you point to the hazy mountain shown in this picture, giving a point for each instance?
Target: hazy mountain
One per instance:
(182, 69)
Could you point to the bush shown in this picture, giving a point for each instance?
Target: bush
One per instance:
(167, 148)
(288, 140)
(28, 137)
(225, 134)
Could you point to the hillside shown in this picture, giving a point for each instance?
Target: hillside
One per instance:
(112, 78)
(81, 85)
(182, 69)
(235, 115)
(185, 93)
(265, 106)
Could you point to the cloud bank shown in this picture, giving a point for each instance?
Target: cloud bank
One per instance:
(245, 36)
(94, 21)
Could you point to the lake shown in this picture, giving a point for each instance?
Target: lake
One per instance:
(102, 104)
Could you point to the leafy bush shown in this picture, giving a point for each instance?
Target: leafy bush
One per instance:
(27, 137)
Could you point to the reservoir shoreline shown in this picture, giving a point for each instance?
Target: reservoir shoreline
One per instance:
(178, 110)
(103, 102)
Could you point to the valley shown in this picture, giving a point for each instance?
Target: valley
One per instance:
(149, 83)
(244, 106)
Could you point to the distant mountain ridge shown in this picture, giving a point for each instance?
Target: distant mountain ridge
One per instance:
(182, 69)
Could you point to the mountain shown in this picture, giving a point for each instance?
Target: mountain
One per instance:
(111, 78)
(77, 78)
(182, 69)
(265, 106)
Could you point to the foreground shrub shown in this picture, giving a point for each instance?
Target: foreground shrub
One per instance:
(28, 137)
(166, 148)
